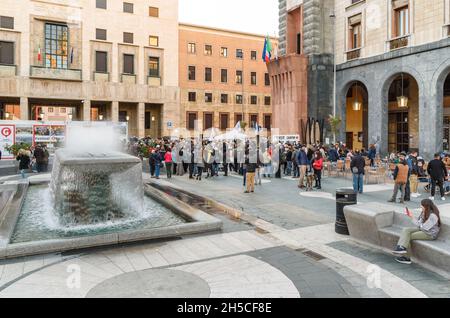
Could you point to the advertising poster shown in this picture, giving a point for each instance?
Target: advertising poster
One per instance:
(7, 138)
(24, 133)
(52, 135)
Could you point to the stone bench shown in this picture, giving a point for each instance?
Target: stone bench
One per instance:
(380, 226)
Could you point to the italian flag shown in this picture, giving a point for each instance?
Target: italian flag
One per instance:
(267, 51)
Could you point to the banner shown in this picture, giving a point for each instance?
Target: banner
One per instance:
(7, 138)
(49, 134)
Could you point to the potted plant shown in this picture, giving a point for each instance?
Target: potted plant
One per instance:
(14, 148)
(335, 123)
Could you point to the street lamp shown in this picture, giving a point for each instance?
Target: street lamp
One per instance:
(153, 118)
(100, 117)
(356, 103)
(6, 116)
(402, 100)
(127, 118)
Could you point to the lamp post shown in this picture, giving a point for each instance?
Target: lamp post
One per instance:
(333, 17)
(6, 115)
(100, 117)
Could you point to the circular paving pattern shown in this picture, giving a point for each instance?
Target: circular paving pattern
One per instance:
(152, 283)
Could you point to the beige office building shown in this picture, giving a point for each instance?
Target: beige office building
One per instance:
(93, 59)
(223, 79)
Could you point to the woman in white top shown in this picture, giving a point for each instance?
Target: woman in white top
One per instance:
(427, 228)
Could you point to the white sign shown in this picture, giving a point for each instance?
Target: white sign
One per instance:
(7, 138)
(170, 124)
(286, 138)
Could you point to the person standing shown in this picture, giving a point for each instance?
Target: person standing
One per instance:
(372, 155)
(438, 173)
(157, 160)
(250, 170)
(168, 163)
(401, 177)
(357, 166)
(302, 159)
(295, 162)
(24, 161)
(39, 155)
(317, 166)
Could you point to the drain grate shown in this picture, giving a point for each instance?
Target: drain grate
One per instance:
(313, 255)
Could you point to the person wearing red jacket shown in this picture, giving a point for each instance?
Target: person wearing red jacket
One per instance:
(317, 165)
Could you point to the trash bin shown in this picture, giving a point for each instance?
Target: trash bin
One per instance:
(344, 197)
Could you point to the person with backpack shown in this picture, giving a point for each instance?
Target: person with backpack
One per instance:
(357, 165)
(24, 161)
(401, 174)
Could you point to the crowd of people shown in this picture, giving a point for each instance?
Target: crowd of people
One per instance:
(35, 159)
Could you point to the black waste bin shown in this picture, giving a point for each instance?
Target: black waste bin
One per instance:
(344, 197)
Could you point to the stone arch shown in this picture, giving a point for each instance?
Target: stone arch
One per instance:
(437, 97)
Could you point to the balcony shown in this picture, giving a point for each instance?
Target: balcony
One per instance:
(8, 70)
(353, 54)
(55, 73)
(128, 78)
(154, 81)
(399, 42)
(101, 77)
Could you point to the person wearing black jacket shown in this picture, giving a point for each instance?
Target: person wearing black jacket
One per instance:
(438, 173)
(357, 166)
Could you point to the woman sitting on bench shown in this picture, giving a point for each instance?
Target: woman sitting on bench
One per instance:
(427, 228)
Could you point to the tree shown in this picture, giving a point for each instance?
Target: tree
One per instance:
(335, 123)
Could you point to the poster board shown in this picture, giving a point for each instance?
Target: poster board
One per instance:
(7, 138)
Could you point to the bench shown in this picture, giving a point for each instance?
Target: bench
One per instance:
(380, 226)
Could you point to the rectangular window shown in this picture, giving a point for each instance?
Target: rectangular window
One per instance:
(254, 100)
(153, 12)
(224, 119)
(7, 53)
(101, 4)
(191, 73)
(267, 100)
(148, 120)
(224, 98)
(191, 48)
(128, 64)
(239, 99)
(101, 62)
(355, 36)
(299, 43)
(208, 50)
(153, 40)
(6, 22)
(267, 122)
(208, 97)
(266, 79)
(253, 120)
(401, 17)
(56, 46)
(128, 7)
(208, 74)
(253, 78)
(253, 55)
(191, 118)
(128, 37)
(238, 77)
(239, 54)
(153, 66)
(50, 109)
(224, 52)
(223, 75)
(192, 96)
(100, 34)
(208, 120)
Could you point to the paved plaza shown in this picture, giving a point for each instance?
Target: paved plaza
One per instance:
(284, 246)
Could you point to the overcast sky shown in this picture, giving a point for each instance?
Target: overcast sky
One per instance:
(254, 16)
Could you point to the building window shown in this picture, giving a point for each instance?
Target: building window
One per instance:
(148, 120)
(224, 75)
(191, 118)
(224, 119)
(7, 53)
(192, 96)
(101, 4)
(253, 120)
(100, 34)
(401, 21)
(153, 66)
(153, 12)
(128, 7)
(56, 46)
(253, 78)
(208, 97)
(208, 120)
(153, 40)
(267, 122)
(254, 100)
(224, 98)
(128, 37)
(238, 77)
(239, 99)
(191, 48)
(253, 55)
(237, 118)
(128, 64)
(208, 50)
(355, 29)
(267, 100)
(266, 79)
(208, 74)
(62, 110)
(239, 54)
(6, 22)
(101, 62)
(191, 73)
(299, 43)
(224, 52)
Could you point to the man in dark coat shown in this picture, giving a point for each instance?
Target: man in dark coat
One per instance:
(438, 173)
(357, 166)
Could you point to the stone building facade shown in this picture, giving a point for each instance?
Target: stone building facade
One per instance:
(97, 59)
(223, 79)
